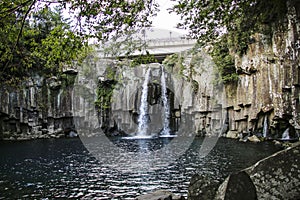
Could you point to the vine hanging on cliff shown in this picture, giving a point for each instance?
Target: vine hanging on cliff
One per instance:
(224, 62)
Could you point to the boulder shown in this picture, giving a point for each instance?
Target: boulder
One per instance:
(232, 134)
(237, 186)
(254, 138)
(275, 177)
(202, 187)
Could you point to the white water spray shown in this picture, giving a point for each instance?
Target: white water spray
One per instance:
(286, 134)
(59, 98)
(265, 127)
(143, 117)
(166, 113)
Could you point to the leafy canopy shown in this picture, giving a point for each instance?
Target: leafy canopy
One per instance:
(228, 25)
(207, 20)
(37, 37)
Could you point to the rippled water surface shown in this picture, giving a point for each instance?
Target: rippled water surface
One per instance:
(64, 168)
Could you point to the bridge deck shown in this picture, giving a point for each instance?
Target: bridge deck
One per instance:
(160, 48)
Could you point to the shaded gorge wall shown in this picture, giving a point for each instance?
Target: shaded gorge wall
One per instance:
(40, 108)
(119, 91)
(265, 99)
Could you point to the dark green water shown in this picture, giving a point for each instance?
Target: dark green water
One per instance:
(63, 168)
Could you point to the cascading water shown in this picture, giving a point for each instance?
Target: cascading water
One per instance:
(58, 98)
(143, 117)
(286, 134)
(265, 127)
(166, 113)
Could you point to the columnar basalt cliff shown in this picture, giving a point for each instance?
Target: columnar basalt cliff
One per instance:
(119, 97)
(263, 101)
(266, 97)
(41, 108)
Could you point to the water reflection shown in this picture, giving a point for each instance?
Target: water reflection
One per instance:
(65, 169)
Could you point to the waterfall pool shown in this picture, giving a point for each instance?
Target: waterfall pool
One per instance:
(63, 168)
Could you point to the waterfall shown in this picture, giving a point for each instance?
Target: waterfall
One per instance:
(58, 98)
(166, 113)
(143, 116)
(265, 127)
(286, 134)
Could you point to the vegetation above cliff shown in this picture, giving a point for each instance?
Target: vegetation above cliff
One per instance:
(208, 20)
(36, 37)
(226, 71)
(105, 90)
(228, 26)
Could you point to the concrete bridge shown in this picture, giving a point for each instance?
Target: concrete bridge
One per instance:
(159, 46)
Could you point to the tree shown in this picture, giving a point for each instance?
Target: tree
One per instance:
(207, 20)
(228, 26)
(42, 44)
(36, 37)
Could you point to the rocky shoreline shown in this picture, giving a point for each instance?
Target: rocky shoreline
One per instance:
(274, 177)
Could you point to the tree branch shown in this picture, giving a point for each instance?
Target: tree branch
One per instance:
(23, 23)
(20, 32)
(15, 8)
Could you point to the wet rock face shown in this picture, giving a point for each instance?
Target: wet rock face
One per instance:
(41, 109)
(275, 177)
(268, 94)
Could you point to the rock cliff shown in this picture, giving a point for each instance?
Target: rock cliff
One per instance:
(41, 108)
(266, 97)
(263, 101)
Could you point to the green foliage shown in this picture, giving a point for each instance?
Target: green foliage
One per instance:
(143, 59)
(224, 62)
(207, 20)
(98, 19)
(175, 61)
(105, 89)
(110, 74)
(35, 38)
(124, 45)
(67, 79)
(104, 94)
(60, 48)
(171, 60)
(102, 18)
(43, 44)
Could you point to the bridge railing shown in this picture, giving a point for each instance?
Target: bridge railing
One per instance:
(169, 42)
(160, 45)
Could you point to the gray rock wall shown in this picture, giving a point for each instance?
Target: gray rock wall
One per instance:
(269, 82)
(39, 109)
(193, 107)
(265, 100)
